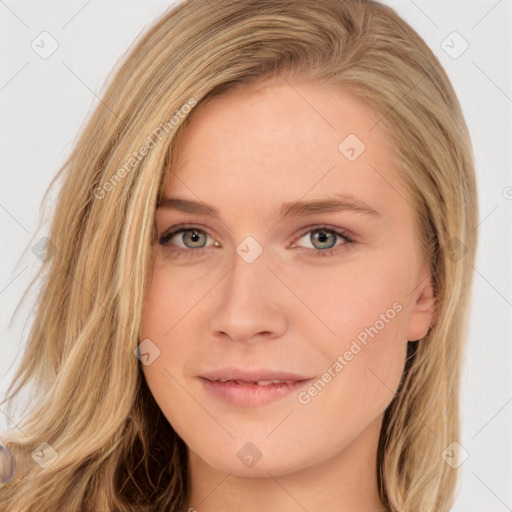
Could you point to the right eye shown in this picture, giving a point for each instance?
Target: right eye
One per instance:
(186, 241)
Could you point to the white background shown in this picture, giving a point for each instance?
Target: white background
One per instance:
(44, 102)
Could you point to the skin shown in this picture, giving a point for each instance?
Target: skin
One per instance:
(246, 153)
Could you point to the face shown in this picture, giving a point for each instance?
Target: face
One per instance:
(286, 252)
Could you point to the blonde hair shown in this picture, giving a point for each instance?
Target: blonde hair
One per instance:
(90, 402)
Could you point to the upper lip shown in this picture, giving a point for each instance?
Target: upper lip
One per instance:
(254, 375)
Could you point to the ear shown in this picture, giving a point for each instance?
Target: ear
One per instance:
(423, 310)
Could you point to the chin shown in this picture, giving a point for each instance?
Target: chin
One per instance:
(256, 459)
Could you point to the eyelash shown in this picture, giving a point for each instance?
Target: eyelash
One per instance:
(164, 241)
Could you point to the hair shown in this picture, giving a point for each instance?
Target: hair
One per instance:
(89, 400)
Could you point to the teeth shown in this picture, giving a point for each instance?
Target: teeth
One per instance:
(259, 382)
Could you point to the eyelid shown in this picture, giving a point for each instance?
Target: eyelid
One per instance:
(344, 233)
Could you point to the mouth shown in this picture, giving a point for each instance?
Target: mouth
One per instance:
(250, 389)
(257, 382)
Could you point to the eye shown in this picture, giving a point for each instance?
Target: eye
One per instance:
(192, 241)
(324, 240)
(186, 239)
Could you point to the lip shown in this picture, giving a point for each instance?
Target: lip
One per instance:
(240, 389)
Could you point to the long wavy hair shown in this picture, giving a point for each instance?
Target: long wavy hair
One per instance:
(109, 447)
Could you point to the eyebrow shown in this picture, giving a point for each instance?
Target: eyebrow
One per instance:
(335, 203)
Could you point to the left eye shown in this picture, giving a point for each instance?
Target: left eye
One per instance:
(323, 239)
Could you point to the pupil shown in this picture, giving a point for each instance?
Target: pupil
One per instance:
(194, 236)
(322, 238)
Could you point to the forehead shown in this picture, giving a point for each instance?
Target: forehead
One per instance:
(283, 141)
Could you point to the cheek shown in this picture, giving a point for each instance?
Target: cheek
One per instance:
(160, 313)
(365, 293)
(172, 295)
(164, 310)
(173, 299)
(365, 308)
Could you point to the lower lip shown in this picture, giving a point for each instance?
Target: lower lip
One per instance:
(250, 395)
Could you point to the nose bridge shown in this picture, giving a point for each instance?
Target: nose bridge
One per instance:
(249, 304)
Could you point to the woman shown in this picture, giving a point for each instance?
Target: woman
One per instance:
(190, 350)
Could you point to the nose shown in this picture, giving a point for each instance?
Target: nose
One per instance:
(249, 303)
